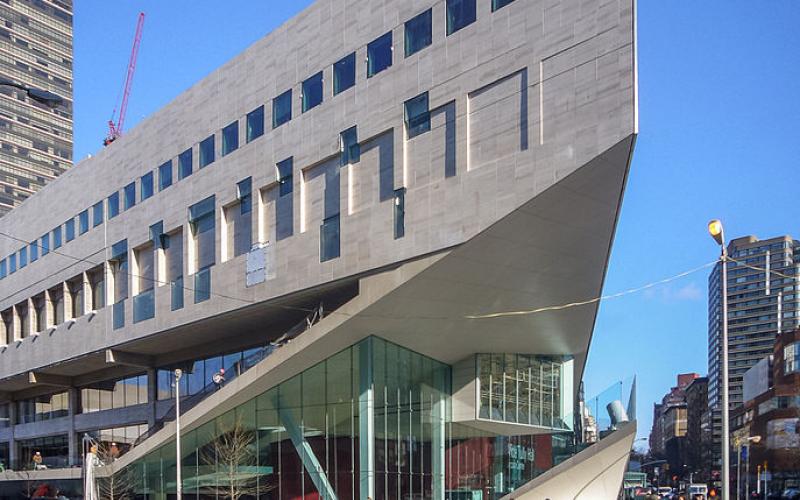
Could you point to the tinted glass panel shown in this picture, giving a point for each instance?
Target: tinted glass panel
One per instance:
(344, 73)
(418, 118)
(329, 239)
(97, 214)
(45, 245)
(113, 205)
(255, 123)
(351, 152)
(282, 109)
(207, 151)
(147, 186)
(130, 195)
(23, 257)
(460, 13)
(69, 229)
(285, 176)
(498, 4)
(185, 164)
(230, 138)
(57, 237)
(34, 251)
(312, 92)
(418, 33)
(379, 54)
(83, 221)
(165, 176)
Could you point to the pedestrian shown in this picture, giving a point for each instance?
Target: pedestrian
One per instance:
(219, 378)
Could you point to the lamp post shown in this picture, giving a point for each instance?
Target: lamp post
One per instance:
(178, 481)
(739, 443)
(717, 232)
(43, 96)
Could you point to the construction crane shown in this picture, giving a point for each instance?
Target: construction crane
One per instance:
(115, 129)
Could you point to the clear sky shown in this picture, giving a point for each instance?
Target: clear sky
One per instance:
(719, 85)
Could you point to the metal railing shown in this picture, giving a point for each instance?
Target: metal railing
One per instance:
(234, 370)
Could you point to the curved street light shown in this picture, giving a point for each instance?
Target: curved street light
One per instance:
(39, 95)
(717, 232)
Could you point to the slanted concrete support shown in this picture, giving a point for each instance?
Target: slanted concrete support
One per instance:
(47, 379)
(128, 359)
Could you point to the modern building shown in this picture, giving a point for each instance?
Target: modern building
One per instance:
(365, 220)
(35, 139)
(772, 412)
(698, 451)
(670, 425)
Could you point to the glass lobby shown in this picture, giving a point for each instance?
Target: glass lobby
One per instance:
(314, 436)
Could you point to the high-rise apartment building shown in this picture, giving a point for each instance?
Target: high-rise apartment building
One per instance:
(762, 302)
(341, 219)
(35, 139)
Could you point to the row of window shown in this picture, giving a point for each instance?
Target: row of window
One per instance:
(418, 35)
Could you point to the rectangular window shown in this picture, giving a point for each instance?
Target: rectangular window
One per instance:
(329, 247)
(23, 257)
(3, 269)
(348, 146)
(282, 109)
(45, 244)
(146, 189)
(312, 92)
(173, 254)
(201, 219)
(207, 151)
(242, 218)
(34, 251)
(255, 123)
(460, 13)
(113, 205)
(97, 214)
(83, 222)
(57, 237)
(399, 213)
(417, 115)
(165, 175)
(185, 164)
(119, 272)
(230, 138)
(344, 73)
(12, 263)
(285, 176)
(69, 229)
(130, 195)
(418, 32)
(499, 4)
(379, 55)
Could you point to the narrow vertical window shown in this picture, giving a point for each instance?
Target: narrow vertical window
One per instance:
(173, 253)
(230, 138)
(57, 237)
(241, 217)
(460, 13)
(207, 151)
(45, 244)
(12, 263)
(201, 219)
(69, 229)
(418, 33)
(255, 123)
(379, 55)
(83, 222)
(97, 214)
(312, 92)
(119, 271)
(284, 206)
(146, 189)
(34, 251)
(130, 195)
(329, 244)
(344, 73)
(417, 115)
(185, 164)
(113, 205)
(348, 146)
(282, 109)
(3, 269)
(23, 257)
(399, 213)
(165, 175)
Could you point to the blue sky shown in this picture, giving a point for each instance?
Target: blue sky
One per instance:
(719, 137)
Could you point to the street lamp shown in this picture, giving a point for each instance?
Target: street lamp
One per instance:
(43, 96)
(716, 231)
(178, 480)
(739, 443)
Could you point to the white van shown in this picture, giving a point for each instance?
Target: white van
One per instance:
(697, 489)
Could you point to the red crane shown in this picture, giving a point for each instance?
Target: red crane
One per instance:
(115, 129)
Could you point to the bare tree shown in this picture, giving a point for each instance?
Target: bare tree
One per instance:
(120, 485)
(233, 453)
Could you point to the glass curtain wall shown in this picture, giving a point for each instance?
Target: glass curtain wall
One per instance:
(372, 421)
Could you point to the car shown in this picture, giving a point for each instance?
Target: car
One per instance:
(790, 494)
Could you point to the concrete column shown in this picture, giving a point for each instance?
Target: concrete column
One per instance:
(73, 399)
(109, 284)
(87, 294)
(6, 329)
(152, 396)
(66, 302)
(12, 445)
